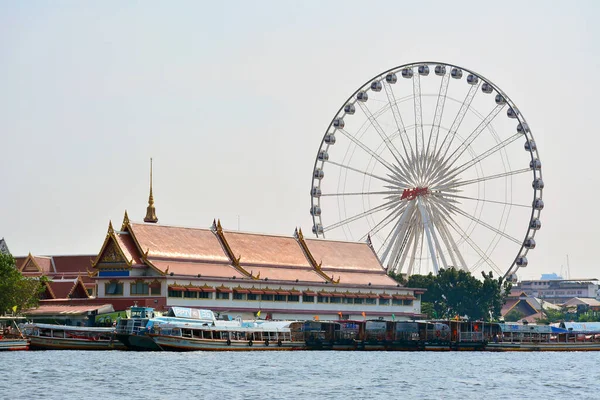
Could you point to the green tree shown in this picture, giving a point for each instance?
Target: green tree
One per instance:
(455, 292)
(16, 290)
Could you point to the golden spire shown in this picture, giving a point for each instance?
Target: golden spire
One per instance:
(150, 211)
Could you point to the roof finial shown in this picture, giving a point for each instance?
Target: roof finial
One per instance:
(150, 210)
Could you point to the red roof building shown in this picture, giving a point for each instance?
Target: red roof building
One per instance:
(237, 273)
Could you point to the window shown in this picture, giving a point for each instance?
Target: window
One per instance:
(396, 302)
(113, 288)
(358, 301)
(384, 302)
(222, 295)
(239, 296)
(293, 298)
(155, 290)
(190, 295)
(175, 293)
(335, 300)
(252, 297)
(266, 297)
(371, 301)
(407, 302)
(322, 299)
(280, 297)
(139, 287)
(205, 295)
(308, 299)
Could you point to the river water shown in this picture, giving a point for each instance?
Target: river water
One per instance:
(298, 375)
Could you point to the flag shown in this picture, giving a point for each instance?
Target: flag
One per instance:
(316, 317)
(258, 313)
(364, 314)
(14, 308)
(393, 317)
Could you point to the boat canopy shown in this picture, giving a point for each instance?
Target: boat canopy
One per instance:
(519, 328)
(583, 327)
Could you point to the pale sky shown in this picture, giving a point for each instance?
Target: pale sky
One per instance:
(232, 99)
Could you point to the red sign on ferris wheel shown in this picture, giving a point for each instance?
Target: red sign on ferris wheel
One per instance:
(411, 194)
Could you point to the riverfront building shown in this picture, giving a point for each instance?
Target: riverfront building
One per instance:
(558, 291)
(247, 274)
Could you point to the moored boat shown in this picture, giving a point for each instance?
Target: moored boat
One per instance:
(65, 337)
(261, 336)
(517, 337)
(12, 339)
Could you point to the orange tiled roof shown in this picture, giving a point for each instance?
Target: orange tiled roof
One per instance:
(257, 249)
(178, 243)
(361, 278)
(286, 274)
(128, 247)
(344, 255)
(195, 268)
(73, 264)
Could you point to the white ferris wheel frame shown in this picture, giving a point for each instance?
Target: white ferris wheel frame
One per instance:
(431, 219)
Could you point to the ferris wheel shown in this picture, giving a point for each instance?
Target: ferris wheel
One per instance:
(434, 166)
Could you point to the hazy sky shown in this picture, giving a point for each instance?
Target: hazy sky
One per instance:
(231, 99)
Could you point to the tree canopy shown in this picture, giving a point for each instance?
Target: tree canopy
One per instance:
(16, 291)
(455, 292)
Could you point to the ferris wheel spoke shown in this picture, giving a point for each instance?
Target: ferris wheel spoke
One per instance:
(458, 170)
(368, 150)
(398, 119)
(486, 225)
(417, 240)
(455, 254)
(474, 246)
(419, 137)
(437, 118)
(362, 172)
(445, 146)
(506, 203)
(467, 142)
(454, 184)
(428, 228)
(388, 143)
(361, 215)
(361, 193)
(433, 219)
(398, 233)
(384, 222)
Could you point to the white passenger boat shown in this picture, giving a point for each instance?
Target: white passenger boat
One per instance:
(265, 336)
(65, 337)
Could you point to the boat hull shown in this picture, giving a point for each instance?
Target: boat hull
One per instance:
(14, 344)
(170, 343)
(54, 343)
(499, 347)
(138, 342)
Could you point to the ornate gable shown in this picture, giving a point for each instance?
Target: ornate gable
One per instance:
(30, 265)
(3, 247)
(111, 255)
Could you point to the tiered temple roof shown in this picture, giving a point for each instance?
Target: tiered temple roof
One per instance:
(218, 253)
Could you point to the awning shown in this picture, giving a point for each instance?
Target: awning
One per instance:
(295, 292)
(177, 288)
(241, 290)
(269, 292)
(224, 290)
(324, 294)
(362, 296)
(194, 289)
(410, 297)
(208, 289)
(373, 296)
(256, 291)
(385, 296)
(283, 293)
(351, 295)
(309, 293)
(399, 296)
(338, 295)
